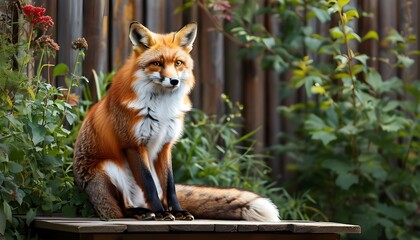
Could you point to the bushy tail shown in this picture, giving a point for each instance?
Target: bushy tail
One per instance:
(226, 203)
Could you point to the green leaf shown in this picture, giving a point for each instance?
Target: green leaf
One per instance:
(353, 35)
(390, 211)
(14, 167)
(313, 43)
(374, 79)
(324, 136)
(314, 123)
(393, 123)
(317, 89)
(71, 117)
(2, 222)
(394, 83)
(345, 181)
(371, 164)
(38, 133)
(338, 166)
(7, 211)
(391, 105)
(269, 42)
(19, 196)
(336, 33)
(405, 61)
(60, 69)
(31, 93)
(30, 216)
(371, 35)
(342, 3)
(322, 15)
(352, 13)
(349, 129)
(362, 59)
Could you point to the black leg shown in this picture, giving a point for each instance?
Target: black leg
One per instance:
(173, 203)
(144, 179)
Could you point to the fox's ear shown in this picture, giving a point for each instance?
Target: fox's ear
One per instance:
(185, 36)
(140, 36)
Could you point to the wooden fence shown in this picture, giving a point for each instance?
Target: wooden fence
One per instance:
(218, 69)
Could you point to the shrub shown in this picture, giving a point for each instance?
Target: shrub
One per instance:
(212, 152)
(35, 147)
(358, 137)
(355, 140)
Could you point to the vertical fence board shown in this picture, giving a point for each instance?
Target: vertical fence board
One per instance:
(233, 72)
(123, 13)
(174, 21)
(211, 66)
(254, 110)
(192, 15)
(388, 14)
(69, 25)
(366, 24)
(416, 29)
(95, 22)
(156, 15)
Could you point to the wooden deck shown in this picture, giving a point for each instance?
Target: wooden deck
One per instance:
(90, 228)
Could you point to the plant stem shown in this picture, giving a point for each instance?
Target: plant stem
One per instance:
(218, 27)
(73, 76)
(39, 70)
(353, 138)
(349, 58)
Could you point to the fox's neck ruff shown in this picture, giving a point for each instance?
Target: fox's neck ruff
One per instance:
(164, 103)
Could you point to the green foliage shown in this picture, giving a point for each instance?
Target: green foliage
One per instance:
(35, 144)
(356, 138)
(212, 152)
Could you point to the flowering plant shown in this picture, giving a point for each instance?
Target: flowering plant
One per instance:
(36, 145)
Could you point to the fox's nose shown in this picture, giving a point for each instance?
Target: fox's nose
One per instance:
(174, 82)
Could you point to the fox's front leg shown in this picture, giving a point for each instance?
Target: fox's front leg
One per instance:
(138, 162)
(163, 166)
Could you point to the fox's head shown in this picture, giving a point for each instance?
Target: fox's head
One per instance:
(163, 60)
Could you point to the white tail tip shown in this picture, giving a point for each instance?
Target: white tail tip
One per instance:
(261, 209)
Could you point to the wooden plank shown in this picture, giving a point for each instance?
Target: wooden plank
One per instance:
(210, 236)
(85, 225)
(81, 226)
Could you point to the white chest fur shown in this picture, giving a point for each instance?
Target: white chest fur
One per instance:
(161, 113)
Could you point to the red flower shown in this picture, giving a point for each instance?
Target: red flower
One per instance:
(43, 22)
(35, 15)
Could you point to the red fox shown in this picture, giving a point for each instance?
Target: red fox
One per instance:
(122, 157)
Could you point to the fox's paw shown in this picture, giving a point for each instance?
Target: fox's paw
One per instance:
(183, 215)
(164, 216)
(142, 214)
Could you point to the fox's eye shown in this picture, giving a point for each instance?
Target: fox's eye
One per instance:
(157, 63)
(178, 63)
